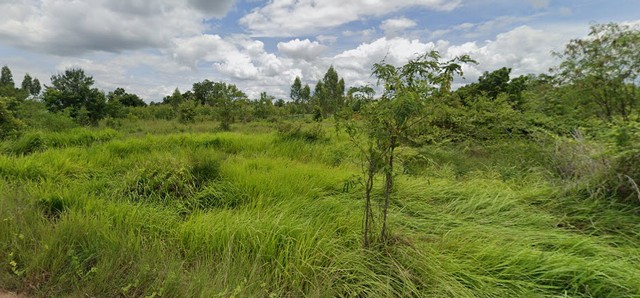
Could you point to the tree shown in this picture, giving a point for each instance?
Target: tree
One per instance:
(263, 108)
(605, 66)
(6, 78)
(332, 95)
(35, 87)
(296, 91)
(72, 90)
(8, 88)
(305, 94)
(396, 117)
(319, 99)
(126, 99)
(27, 81)
(175, 99)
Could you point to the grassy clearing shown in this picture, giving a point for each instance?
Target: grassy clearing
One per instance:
(158, 212)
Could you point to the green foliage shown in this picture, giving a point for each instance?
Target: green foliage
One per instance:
(10, 125)
(6, 78)
(125, 99)
(187, 112)
(328, 94)
(605, 68)
(30, 85)
(72, 90)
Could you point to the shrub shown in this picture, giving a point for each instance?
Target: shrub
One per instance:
(10, 126)
(187, 112)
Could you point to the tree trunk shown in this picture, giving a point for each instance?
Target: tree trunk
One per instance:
(387, 188)
(371, 171)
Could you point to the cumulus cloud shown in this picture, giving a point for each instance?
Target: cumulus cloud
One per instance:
(69, 28)
(285, 18)
(301, 49)
(394, 26)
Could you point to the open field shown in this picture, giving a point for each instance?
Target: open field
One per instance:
(159, 208)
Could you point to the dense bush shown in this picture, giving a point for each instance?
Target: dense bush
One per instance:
(10, 126)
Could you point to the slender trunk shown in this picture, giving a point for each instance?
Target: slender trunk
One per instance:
(367, 201)
(387, 188)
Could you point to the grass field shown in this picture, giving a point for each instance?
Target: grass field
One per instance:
(161, 209)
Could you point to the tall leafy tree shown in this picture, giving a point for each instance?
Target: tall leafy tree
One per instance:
(6, 78)
(30, 85)
(35, 87)
(333, 92)
(73, 90)
(305, 94)
(296, 91)
(27, 81)
(605, 66)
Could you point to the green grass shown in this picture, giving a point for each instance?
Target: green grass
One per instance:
(157, 208)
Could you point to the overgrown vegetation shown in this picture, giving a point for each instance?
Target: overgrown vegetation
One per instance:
(502, 188)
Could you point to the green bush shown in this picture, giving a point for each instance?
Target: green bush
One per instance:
(187, 112)
(10, 126)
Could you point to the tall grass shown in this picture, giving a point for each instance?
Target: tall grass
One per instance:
(251, 214)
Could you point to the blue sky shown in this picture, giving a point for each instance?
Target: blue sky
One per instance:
(152, 47)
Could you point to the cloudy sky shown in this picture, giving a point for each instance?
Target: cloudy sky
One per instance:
(150, 47)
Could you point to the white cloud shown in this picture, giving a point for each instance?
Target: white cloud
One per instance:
(69, 28)
(392, 27)
(285, 18)
(301, 49)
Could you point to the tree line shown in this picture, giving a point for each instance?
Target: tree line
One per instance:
(597, 79)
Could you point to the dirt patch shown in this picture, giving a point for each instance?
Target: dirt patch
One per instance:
(5, 294)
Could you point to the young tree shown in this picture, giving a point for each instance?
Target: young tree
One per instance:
(606, 67)
(396, 117)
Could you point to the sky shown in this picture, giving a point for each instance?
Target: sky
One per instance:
(151, 47)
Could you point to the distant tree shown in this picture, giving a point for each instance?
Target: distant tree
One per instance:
(35, 87)
(6, 78)
(73, 90)
(126, 99)
(175, 99)
(356, 96)
(263, 107)
(209, 93)
(320, 99)
(296, 91)
(605, 66)
(495, 82)
(332, 92)
(305, 94)
(27, 82)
